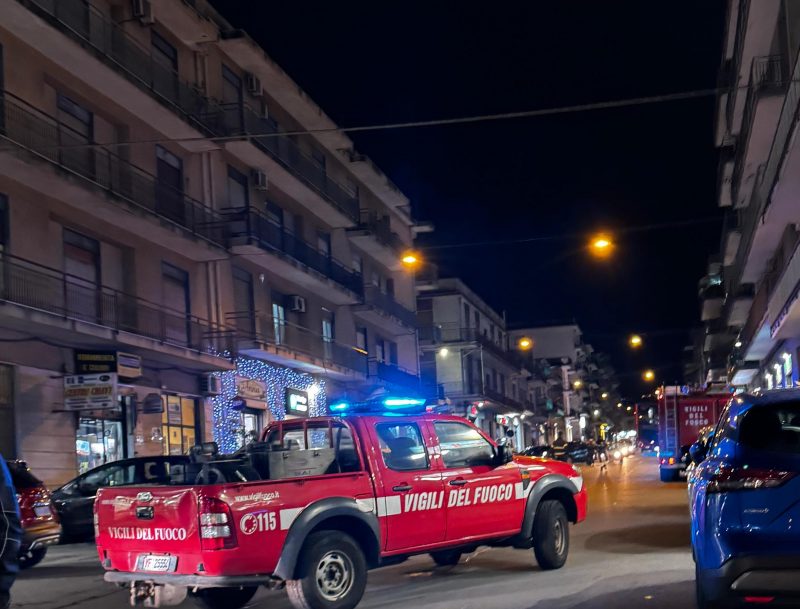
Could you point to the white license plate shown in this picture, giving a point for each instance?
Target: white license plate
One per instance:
(156, 563)
(42, 510)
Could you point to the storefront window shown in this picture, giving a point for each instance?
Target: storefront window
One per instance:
(98, 441)
(787, 369)
(179, 424)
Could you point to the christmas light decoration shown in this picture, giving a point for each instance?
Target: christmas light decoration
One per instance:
(228, 420)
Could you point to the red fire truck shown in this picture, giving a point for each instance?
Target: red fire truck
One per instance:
(682, 414)
(317, 502)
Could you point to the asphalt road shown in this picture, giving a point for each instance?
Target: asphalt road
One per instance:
(631, 552)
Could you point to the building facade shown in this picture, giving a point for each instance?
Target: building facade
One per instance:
(160, 228)
(468, 364)
(749, 295)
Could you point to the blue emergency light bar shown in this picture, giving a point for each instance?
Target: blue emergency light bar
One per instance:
(389, 405)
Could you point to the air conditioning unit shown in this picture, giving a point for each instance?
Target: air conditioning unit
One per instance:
(253, 84)
(259, 178)
(142, 10)
(297, 304)
(210, 385)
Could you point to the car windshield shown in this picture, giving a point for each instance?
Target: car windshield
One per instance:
(22, 477)
(772, 428)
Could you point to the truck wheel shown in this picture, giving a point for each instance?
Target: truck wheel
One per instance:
(331, 573)
(551, 534)
(224, 598)
(446, 558)
(31, 558)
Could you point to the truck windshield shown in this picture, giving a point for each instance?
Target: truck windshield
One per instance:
(772, 428)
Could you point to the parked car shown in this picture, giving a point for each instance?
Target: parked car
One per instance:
(744, 503)
(538, 451)
(573, 452)
(74, 501)
(40, 526)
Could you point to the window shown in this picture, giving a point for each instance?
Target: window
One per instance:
(351, 187)
(390, 287)
(113, 475)
(319, 158)
(243, 301)
(327, 332)
(169, 185)
(502, 386)
(376, 279)
(82, 267)
(165, 66)
(358, 264)
(278, 318)
(401, 446)
(324, 243)
(274, 214)
(231, 98)
(773, 428)
(361, 338)
(163, 52)
(176, 299)
(477, 320)
(76, 127)
(393, 353)
(770, 381)
(238, 195)
(467, 319)
(787, 361)
(178, 424)
(334, 451)
(463, 446)
(380, 350)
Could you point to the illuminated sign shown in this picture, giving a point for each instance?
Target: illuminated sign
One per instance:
(296, 402)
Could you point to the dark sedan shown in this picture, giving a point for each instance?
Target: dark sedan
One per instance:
(573, 452)
(74, 501)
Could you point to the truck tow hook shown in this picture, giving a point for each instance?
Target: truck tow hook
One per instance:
(149, 594)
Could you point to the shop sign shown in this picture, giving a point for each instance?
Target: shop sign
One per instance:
(250, 389)
(502, 420)
(90, 391)
(126, 365)
(296, 402)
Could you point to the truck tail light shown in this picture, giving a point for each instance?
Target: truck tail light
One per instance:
(216, 530)
(742, 479)
(670, 461)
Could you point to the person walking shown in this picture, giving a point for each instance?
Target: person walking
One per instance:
(10, 535)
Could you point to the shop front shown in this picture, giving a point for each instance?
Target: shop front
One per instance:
(257, 393)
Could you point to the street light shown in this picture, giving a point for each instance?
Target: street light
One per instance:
(649, 375)
(577, 384)
(524, 343)
(635, 341)
(444, 351)
(411, 260)
(604, 395)
(629, 408)
(596, 412)
(601, 245)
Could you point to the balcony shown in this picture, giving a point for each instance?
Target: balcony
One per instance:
(768, 83)
(783, 312)
(380, 307)
(80, 312)
(476, 392)
(251, 233)
(115, 47)
(269, 338)
(712, 294)
(448, 333)
(755, 336)
(99, 168)
(374, 235)
(737, 305)
(394, 374)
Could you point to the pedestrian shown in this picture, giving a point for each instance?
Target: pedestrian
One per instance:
(10, 535)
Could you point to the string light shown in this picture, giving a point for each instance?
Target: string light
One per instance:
(228, 420)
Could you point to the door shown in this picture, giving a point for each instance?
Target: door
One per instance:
(327, 333)
(232, 100)
(177, 327)
(169, 186)
(243, 303)
(164, 66)
(483, 500)
(412, 497)
(82, 276)
(75, 130)
(278, 319)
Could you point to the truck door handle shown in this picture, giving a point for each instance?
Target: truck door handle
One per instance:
(402, 488)
(458, 482)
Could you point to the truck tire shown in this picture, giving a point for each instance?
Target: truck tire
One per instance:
(224, 598)
(551, 534)
(446, 558)
(331, 573)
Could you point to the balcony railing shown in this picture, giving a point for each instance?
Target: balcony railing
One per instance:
(253, 225)
(67, 296)
(279, 333)
(455, 334)
(380, 228)
(49, 139)
(392, 373)
(114, 46)
(766, 74)
(377, 299)
(477, 389)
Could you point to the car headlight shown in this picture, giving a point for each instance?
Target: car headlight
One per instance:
(617, 454)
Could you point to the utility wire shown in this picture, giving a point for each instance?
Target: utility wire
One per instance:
(479, 118)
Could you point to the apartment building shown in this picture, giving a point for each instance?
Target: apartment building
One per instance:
(466, 358)
(169, 249)
(749, 295)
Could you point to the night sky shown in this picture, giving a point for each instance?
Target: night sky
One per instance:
(557, 176)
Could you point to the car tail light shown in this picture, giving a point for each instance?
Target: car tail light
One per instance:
(759, 600)
(744, 478)
(216, 525)
(670, 461)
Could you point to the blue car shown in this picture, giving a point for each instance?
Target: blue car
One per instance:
(745, 504)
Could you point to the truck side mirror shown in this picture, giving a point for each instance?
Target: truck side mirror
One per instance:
(697, 452)
(504, 455)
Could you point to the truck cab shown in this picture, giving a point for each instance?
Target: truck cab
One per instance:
(318, 502)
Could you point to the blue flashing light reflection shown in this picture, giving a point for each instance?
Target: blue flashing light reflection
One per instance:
(403, 402)
(339, 407)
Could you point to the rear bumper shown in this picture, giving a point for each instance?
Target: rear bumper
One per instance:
(41, 536)
(777, 576)
(199, 581)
